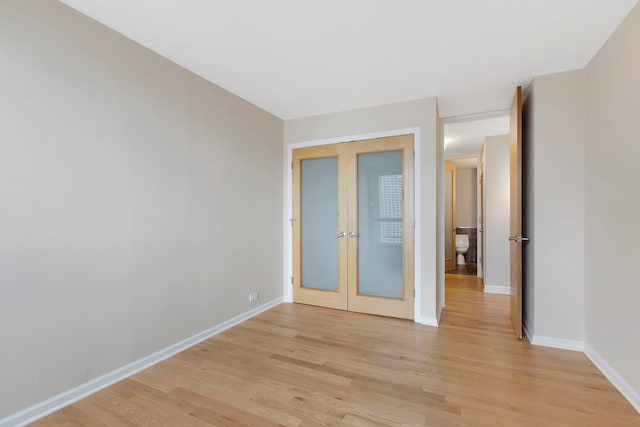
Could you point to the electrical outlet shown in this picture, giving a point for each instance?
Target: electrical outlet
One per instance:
(253, 296)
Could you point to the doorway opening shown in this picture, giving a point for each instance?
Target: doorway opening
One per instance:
(465, 173)
(461, 215)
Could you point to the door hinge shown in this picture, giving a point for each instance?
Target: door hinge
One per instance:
(291, 279)
(414, 293)
(291, 165)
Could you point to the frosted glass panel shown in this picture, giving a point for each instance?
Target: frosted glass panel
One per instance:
(380, 203)
(319, 205)
(448, 214)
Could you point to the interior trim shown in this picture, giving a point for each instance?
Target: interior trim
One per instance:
(494, 289)
(417, 176)
(66, 398)
(616, 379)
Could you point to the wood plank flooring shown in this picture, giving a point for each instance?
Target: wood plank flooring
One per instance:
(298, 365)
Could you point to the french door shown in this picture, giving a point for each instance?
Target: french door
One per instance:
(353, 226)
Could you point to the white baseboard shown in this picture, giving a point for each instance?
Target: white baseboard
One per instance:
(561, 343)
(493, 289)
(68, 397)
(625, 389)
(528, 334)
(423, 320)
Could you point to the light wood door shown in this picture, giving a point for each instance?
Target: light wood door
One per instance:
(516, 239)
(380, 223)
(450, 215)
(320, 215)
(368, 186)
(481, 234)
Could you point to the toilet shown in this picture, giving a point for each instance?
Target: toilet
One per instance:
(462, 246)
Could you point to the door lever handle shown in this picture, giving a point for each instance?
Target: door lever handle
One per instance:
(353, 234)
(519, 239)
(342, 234)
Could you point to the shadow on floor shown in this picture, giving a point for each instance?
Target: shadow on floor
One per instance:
(469, 269)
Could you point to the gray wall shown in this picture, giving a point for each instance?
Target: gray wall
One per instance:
(466, 195)
(420, 113)
(612, 235)
(497, 211)
(140, 203)
(555, 198)
(581, 142)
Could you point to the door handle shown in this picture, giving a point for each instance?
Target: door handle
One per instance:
(519, 239)
(353, 234)
(342, 234)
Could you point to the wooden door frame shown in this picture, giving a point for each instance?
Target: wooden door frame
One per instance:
(482, 221)
(288, 233)
(450, 263)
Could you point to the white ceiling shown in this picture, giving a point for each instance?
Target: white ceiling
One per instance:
(464, 139)
(297, 58)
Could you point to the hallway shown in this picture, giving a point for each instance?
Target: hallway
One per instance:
(468, 269)
(299, 365)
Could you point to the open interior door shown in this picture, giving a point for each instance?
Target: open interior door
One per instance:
(516, 238)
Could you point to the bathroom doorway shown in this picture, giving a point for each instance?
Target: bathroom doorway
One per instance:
(464, 140)
(462, 216)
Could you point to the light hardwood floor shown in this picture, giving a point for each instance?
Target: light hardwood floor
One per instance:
(298, 365)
